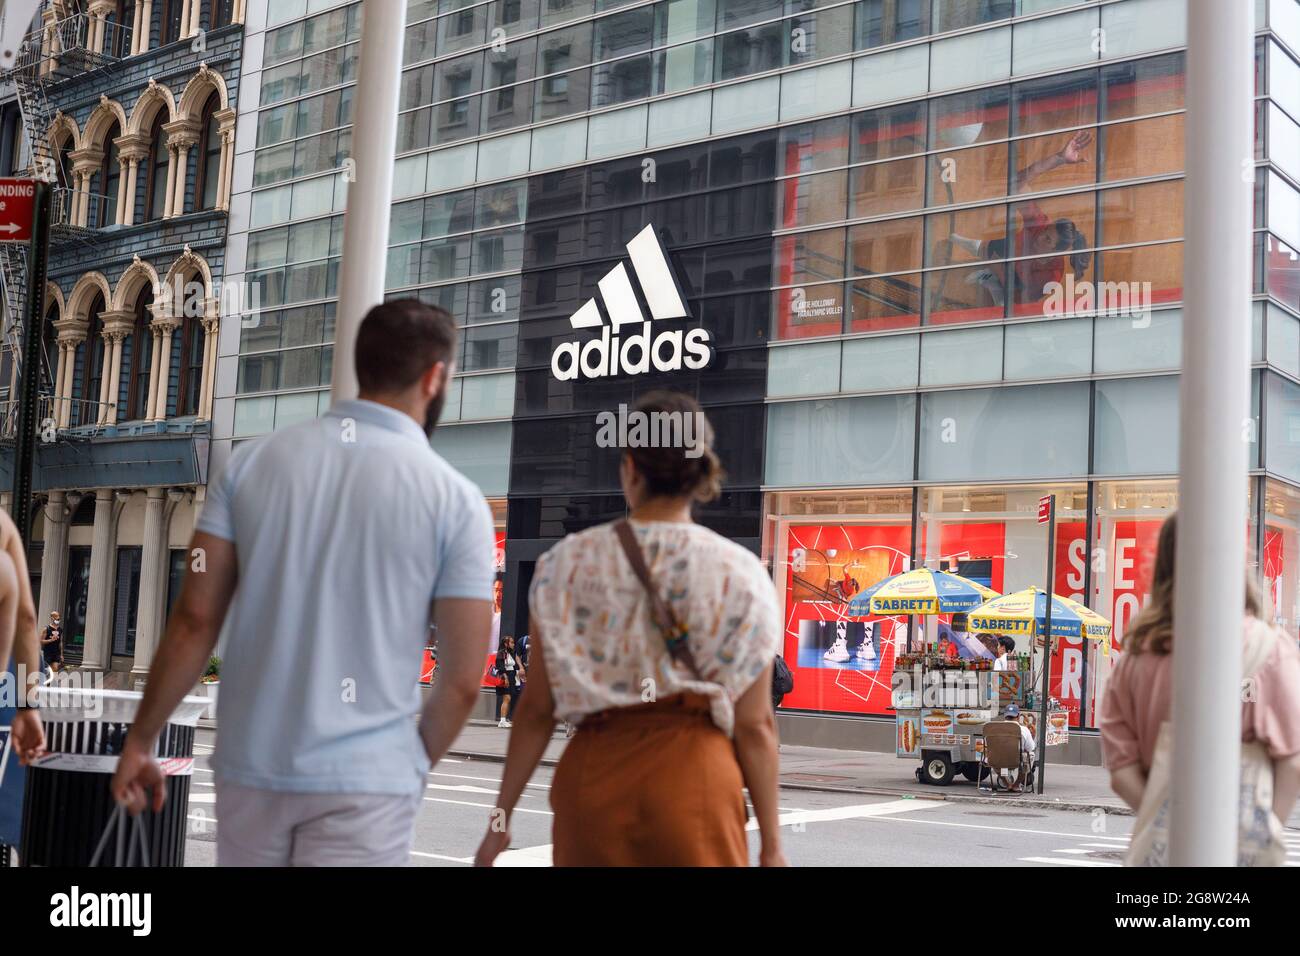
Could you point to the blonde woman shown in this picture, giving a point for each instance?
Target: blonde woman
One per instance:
(1138, 694)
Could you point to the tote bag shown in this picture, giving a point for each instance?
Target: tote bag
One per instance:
(1259, 832)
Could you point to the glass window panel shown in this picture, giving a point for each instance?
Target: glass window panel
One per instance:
(803, 369)
(406, 222)
(561, 94)
(292, 409)
(500, 204)
(276, 124)
(680, 119)
(807, 200)
(454, 120)
(487, 396)
(304, 283)
(961, 356)
(513, 15)
(623, 33)
(259, 373)
(1154, 85)
(559, 11)
(462, 28)
(976, 434)
(968, 119)
(822, 34)
(269, 248)
(420, 42)
(492, 300)
(813, 146)
(881, 362)
(1283, 141)
(808, 444)
(1054, 42)
(971, 58)
(491, 346)
(1283, 340)
(888, 132)
(1283, 209)
(1055, 161)
(273, 165)
(679, 20)
(1139, 26)
(507, 108)
(282, 44)
(561, 144)
(315, 197)
(416, 88)
(281, 83)
(1284, 80)
(316, 154)
(1282, 436)
(1149, 147)
(1055, 102)
(452, 298)
(959, 14)
(504, 155)
(271, 206)
(449, 168)
(967, 235)
(746, 105)
(449, 213)
(885, 302)
(880, 22)
(1155, 273)
(807, 311)
(499, 251)
(683, 67)
(968, 175)
(621, 81)
(738, 13)
(1048, 349)
(479, 452)
(324, 31)
(254, 416)
(891, 75)
(1137, 426)
(300, 368)
(414, 130)
(445, 259)
(1149, 344)
(408, 176)
(1142, 213)
(754, 50)
(893, 245)
(310, 240)
(304, 325)
(618, 132)
(1055, 232)
(818, 90)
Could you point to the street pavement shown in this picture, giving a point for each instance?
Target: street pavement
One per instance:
(821, 827)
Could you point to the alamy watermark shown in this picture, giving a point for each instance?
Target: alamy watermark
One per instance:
(1125, 300)
(631, 428)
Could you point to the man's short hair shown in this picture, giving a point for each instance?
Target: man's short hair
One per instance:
(399, 341)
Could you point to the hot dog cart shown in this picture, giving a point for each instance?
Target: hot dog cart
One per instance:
(942, 704)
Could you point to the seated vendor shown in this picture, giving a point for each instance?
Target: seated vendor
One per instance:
(947, 649)
(1027, 747)
(1005, 646)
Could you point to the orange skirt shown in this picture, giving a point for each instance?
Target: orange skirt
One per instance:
(650, 785)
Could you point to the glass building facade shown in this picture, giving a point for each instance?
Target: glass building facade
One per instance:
(936, 246)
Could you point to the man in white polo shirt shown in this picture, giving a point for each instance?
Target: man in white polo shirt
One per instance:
(326, 549)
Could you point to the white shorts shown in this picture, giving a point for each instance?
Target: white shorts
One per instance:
(273, 828)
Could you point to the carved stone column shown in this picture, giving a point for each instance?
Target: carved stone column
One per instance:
(54, 557)
(159, 382)
(117, 326)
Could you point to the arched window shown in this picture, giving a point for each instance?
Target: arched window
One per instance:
(63, 162)
(209, 174)
(159, 159)
(137, 400)
(223, 14)
(193, 340)
(109, 175)
(86, 411)
(172, 12)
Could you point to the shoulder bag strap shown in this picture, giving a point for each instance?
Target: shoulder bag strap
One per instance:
(661, 612)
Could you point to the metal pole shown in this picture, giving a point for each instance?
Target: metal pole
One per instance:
(1047, 642)
(30, 369)
(1213, 434)
(370, 182)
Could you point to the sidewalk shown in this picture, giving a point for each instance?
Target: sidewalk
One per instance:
(1068, 787)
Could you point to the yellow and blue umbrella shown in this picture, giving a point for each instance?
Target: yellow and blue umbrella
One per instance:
(921, 591)
(1025, 613)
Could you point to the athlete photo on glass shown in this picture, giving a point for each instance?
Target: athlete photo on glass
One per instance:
(842, 645)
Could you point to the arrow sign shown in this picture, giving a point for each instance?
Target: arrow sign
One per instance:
(16, 201)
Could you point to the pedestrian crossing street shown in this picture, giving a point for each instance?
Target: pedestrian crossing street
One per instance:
(1109, 851)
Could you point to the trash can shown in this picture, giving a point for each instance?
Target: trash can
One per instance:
(67, 804)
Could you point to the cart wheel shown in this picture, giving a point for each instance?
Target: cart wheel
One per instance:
(937, 768)
(971, 770)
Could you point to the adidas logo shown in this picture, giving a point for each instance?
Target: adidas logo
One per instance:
(614, 353)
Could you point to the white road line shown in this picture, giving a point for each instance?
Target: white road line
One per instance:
(1072, 850)
(858, 811)
(439, 856)
(980, 826)
(460, 788)
(496, 780)
(202, 797)
(203, 770)
(1105, 846)
(1058, 861)
(488, 806)
(204, 783)
(526, 856)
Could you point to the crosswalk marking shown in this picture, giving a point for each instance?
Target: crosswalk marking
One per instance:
(858, 811)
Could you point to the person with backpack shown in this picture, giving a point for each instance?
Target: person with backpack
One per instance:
(1137, 739)
(782, 680)
(509, 670)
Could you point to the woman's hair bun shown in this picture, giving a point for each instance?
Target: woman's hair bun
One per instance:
(679, 458)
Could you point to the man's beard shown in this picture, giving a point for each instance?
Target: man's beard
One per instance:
(433, 411)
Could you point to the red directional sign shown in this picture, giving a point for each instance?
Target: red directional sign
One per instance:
(1044, 509)
(17, 199)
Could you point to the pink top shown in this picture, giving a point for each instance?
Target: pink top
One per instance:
(1138, 697)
